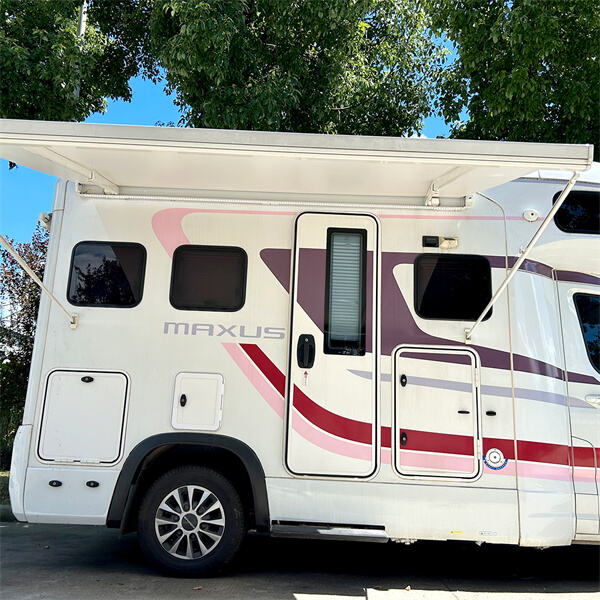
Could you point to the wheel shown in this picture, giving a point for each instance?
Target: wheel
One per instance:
(191, 522)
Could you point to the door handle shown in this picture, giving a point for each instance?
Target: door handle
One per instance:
(464, 412)
(403, 438)
(183, 400)
(305, 351)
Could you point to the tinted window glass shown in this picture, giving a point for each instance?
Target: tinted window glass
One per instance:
(345, 291)
(209, 278)
(588, 311)
(579, 213)
(107, 274)
(452, 286)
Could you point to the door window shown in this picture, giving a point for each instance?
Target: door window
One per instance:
(345, 294)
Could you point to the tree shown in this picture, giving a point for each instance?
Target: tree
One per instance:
(362, 67)
(526, 70)
(51, 72)
(20, 298)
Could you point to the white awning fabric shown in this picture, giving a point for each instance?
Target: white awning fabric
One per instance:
(122, 158)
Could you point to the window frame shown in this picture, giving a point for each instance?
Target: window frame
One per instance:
(570, 231)
(361, 347)
(109, 242)
(421, 256)
(216, 248)
(580, 323)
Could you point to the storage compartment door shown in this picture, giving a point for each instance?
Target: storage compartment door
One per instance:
(198, 401)
(436, 420)
(83, 417)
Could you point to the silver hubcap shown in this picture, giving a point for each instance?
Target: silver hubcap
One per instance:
(189, 522)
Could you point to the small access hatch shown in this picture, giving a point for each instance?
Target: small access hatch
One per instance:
(436, 412)
(198, 401)
(83, 416)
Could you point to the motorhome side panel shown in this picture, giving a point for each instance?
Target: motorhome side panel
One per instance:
(170, 350)
(153, 343)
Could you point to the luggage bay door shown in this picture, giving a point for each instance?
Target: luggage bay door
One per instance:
(436, 413)
(332, 427)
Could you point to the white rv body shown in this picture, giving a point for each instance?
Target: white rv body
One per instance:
(418, 435)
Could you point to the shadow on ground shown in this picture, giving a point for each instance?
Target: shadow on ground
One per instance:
(57, 561)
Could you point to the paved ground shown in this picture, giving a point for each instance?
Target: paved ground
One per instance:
(73, 562)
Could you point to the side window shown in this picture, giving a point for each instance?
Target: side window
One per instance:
(345, 291)
(109, 274)
(588, 311)
(209, 278)
(579, 213)
(454, 287)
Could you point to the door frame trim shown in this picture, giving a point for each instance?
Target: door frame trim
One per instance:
(478, 433)
(375, 347)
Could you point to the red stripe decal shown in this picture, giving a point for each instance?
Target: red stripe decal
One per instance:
(584, 457)
(264, 363)
(542, 452)
(425, 441)
(386, 437)
(507, 447)
(357, 431)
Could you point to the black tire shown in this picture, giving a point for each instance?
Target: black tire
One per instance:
(232, 533)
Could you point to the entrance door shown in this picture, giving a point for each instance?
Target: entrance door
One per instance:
(436, 412)
(332, 414)
(579, 310)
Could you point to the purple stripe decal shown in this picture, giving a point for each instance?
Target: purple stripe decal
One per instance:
(487, 390)
(459, 359)
(278, 262)
(399, 327)
(575, 277)
(311, 284)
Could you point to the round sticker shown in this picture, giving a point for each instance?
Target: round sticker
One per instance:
(494, 459)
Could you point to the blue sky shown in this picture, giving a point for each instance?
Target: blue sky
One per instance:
(24, 193)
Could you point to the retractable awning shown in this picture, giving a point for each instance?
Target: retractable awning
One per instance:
(122, 158)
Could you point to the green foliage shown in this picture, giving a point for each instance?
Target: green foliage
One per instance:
(20, 298)
(49, 72)
(361, 67)
(527, 70)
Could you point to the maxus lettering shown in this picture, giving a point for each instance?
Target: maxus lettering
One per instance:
(218, 330)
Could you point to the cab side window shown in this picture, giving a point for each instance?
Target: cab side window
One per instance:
(588, 312)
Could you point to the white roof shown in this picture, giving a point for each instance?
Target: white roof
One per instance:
(124, 157)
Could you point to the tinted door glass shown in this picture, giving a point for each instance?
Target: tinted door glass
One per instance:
(209, 278)
(579, 213)
(107, 274)
(452, 286)
(588, 311)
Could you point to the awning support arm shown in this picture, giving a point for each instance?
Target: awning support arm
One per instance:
(93, 177)
(524, 255)
(73, 318)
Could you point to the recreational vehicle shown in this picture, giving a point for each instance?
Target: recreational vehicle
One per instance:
(304, 335)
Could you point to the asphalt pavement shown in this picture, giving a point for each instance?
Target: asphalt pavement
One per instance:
(67, 562)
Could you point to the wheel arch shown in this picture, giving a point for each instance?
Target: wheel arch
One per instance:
(154, 455)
